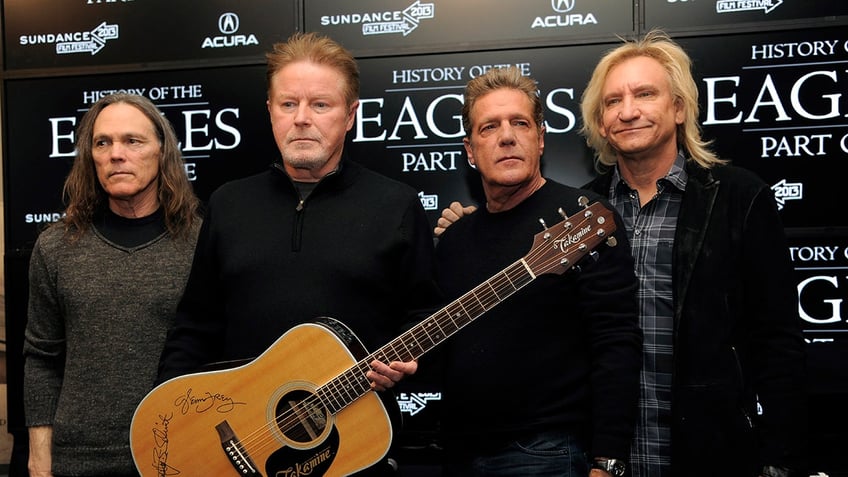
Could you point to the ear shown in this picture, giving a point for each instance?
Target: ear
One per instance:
(469, 151)
(351, 115)
(679, 111)
(602, 129)
(542, 140)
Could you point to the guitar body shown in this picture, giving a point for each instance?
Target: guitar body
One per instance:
(263, 418)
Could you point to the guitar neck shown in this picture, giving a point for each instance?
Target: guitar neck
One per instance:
(351, 384)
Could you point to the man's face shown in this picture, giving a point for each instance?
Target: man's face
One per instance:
(505, 144)
(640, 115)
(309, 118)
(126, 152)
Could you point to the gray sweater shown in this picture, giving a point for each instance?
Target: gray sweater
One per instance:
(98, 316)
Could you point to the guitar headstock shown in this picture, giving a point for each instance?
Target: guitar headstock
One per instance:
(561, 246)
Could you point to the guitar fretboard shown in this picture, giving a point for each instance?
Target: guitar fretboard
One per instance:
(352, 384)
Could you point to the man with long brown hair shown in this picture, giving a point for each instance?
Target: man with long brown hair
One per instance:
(104, 285)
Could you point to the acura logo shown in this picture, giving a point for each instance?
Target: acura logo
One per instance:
(562, 6)
(228, 23)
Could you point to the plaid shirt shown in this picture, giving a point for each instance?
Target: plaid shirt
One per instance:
(651, 232)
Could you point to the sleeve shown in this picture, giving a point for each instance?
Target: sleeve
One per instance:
(197, 335)
(44, 341)
(608, 302)
(775, 351)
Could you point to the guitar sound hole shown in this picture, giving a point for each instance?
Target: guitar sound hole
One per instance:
(301, 417)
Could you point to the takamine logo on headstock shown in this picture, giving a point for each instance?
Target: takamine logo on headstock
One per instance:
(559, 247)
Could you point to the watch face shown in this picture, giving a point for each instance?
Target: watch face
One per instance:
(616, 468)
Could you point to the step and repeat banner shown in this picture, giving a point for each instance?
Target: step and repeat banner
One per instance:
(44, 34)
(771, 73)
(380, 27)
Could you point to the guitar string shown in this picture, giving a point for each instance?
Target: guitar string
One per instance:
(486, 293)
(289, 419)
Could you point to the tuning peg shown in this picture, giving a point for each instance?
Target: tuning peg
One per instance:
(583, 201)
(544, 225)
(594, 255)
(611, 241)
(562, 213)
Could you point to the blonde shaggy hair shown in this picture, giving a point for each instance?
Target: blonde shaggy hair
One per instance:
(658, 45)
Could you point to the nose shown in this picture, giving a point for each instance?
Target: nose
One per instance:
(628, 110)
(303, 114)
(507, 136)
(117, 151)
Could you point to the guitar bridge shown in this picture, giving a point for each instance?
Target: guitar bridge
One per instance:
(236, 454)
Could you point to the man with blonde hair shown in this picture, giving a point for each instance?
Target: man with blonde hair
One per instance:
(722, 378)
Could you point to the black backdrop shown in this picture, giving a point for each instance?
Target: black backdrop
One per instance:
(772, 76)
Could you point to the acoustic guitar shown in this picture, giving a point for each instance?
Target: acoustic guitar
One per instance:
(304, 406)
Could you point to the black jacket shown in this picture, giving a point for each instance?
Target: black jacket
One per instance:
(737, 339)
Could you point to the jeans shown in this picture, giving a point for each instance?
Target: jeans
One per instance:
(546, 454)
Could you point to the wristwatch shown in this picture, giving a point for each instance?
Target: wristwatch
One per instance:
(613, 467)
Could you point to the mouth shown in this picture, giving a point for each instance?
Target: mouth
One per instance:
(629, 129)
(302, 139)
(509, 158)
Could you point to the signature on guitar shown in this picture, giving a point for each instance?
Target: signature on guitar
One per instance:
(160, 447)
(205, 403)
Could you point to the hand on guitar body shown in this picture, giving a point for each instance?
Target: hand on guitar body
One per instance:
(383, 376)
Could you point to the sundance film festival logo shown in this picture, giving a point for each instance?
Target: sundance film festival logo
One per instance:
(429, 202)
(413, 403)
(77, 42)
(381, 23)
(731, 6)
(784, 191)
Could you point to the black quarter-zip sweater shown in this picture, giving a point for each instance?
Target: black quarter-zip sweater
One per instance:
(358, 249)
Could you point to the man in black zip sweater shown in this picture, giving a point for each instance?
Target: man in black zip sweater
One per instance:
(315, 235)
